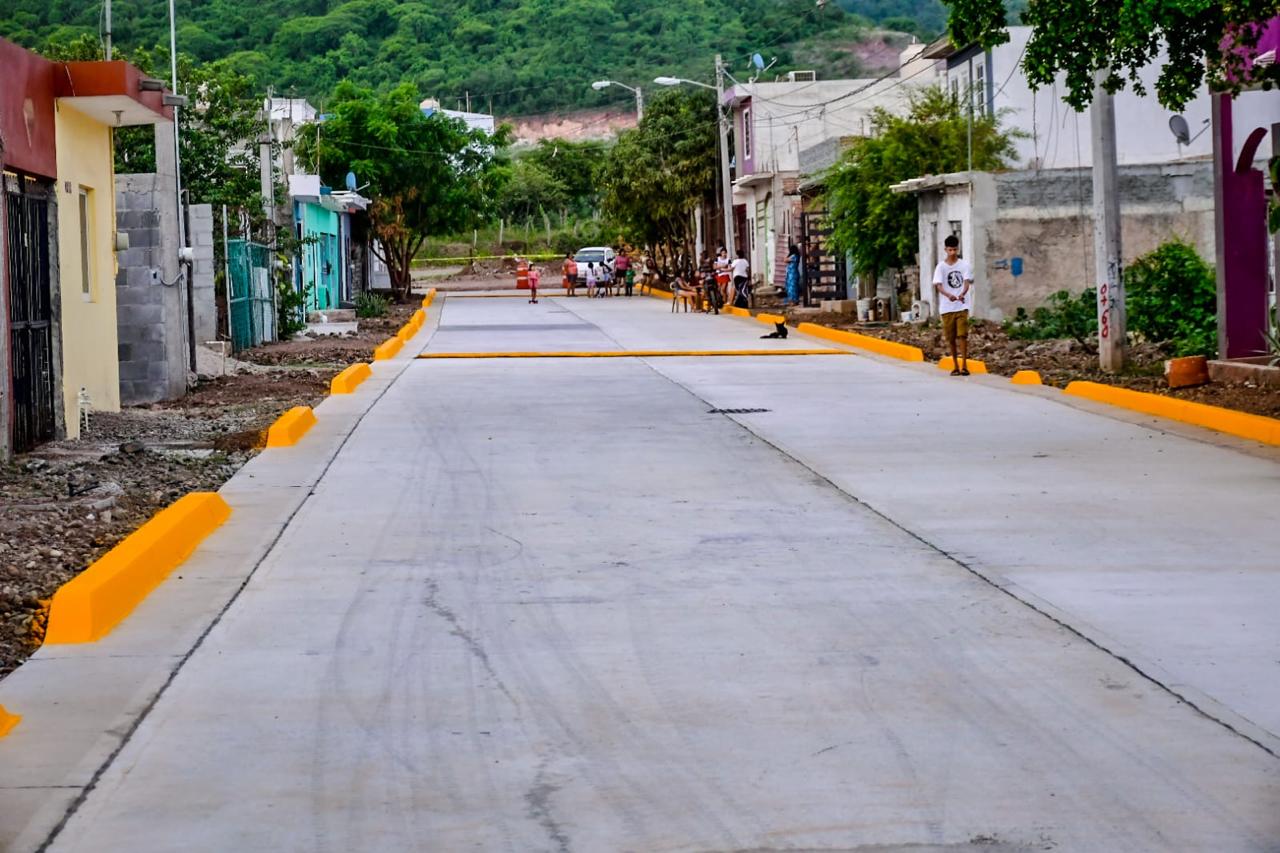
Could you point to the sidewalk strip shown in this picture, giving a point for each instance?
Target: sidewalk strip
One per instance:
(1242, 424)
(636, 353)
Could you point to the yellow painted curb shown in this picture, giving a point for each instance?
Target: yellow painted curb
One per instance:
(90, 605)
(771, 319)
(348, 380)
(408, 330)
(426, 300)
(1242, 424)
(8, 721)
(387, 349)
(635, 353)
(1026, 377)
(892, 349)
(736, 311)
(974, 365)
(661, 294)
(290, 427)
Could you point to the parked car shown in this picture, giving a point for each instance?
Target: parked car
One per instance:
(595, 254)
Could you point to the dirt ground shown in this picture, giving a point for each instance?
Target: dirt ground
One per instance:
(341, 350)
(1059, 361)
(69, 502)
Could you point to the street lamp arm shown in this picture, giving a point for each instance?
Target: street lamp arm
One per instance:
(676, 81)
(604, 84)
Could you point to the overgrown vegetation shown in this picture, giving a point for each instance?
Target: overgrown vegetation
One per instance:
(879, 226)
(291, 304)
(369, 304)
(1063, 315)
(1170, 297)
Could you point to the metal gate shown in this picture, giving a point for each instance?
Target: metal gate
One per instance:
(822, 271)
(252, 304)
(30, 312)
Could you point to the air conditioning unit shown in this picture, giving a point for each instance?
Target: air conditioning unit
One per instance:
(801, 76)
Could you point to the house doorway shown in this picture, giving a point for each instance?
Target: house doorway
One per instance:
(30, 311)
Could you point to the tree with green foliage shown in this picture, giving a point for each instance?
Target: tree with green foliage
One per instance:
(517, 56)
(427, 175)
(1078, 37)
(575, 166)
(879, 226)
(530, 190)
(658, 173)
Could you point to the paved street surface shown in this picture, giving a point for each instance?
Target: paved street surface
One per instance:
(559, 605)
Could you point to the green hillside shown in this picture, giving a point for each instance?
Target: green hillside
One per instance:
(512, 56)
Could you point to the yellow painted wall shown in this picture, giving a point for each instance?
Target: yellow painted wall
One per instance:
(90, 357)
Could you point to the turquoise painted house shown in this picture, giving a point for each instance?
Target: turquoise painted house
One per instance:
(324, 268)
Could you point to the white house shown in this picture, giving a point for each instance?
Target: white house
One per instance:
(774, 122)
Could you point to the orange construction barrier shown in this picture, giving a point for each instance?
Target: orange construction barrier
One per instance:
(522, 274)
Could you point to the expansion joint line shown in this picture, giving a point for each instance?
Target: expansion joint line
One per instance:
(985, 578)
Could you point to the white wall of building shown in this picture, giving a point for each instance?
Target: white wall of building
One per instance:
(1058, 137)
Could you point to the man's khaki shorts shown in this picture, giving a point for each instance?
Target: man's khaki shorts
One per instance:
(955, 324)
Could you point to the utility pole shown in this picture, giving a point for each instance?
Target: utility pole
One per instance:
(1106, 229)
(639, 105)
(726, 180)
(266, 171)
(106, 27)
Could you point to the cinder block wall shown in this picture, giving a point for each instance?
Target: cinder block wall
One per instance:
(149, 315)
(200, 235)
(1046, 218)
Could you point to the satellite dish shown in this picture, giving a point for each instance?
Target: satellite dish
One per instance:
(351, 181)
(758, 61)
(1181, 130)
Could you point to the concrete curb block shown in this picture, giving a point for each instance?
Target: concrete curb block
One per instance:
(87, 607)
(867, 342)
(661, 294)
(736, 311)
(387, 349)
(290, 427)
(1026, 377)
(349, 380)
(771, 319)
(1254, 427)
(974, 365)
(431, 295)
(8, 721)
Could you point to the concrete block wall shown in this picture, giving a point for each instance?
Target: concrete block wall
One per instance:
(1046, 218)
(204, 303)
(150, 316)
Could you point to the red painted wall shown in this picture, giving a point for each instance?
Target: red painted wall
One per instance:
(26, 110)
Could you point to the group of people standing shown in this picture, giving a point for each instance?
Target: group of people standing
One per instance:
(600, 278)
(716, 282)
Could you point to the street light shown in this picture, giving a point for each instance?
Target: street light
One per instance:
(726, 186)
(605, 84)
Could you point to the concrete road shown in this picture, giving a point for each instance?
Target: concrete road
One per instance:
(558, 604)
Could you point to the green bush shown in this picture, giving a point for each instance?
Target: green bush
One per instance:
(292, 305)
(1170, 297)
(369, 304)
(1062, 316)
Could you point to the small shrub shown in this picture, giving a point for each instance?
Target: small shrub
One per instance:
(1170, 297)
(1062, 316)
(292, 305)
(369, 304)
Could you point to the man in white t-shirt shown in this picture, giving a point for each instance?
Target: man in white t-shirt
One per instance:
(741, 281)
(953, 282)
